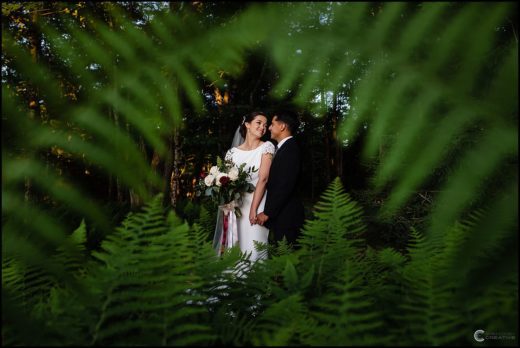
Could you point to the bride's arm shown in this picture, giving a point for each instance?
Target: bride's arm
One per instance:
(263, 175)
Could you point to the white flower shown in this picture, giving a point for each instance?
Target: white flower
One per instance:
(214, 170)
(220, 175)
(233, 174)
(208, 180)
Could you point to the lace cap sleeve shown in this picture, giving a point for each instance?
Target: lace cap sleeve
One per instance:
(229, 155)
(268, 148)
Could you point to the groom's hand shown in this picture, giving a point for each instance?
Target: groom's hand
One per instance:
(261, 219)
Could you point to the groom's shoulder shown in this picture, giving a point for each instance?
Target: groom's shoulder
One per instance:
(294, 142)
(293, 146)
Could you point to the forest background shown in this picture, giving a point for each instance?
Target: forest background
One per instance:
(412, 107)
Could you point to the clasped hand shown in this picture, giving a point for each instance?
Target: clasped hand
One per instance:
(252, 218)
(257, 219)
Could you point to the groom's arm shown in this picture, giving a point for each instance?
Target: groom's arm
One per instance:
(283, 185)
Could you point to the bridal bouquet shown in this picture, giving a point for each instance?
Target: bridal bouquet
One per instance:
(225, 184)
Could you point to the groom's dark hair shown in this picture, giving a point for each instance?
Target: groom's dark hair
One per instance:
(290, 118)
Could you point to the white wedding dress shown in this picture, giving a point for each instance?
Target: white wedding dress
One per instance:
(247, 233)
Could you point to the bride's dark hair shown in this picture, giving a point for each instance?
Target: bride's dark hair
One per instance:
(248, 118)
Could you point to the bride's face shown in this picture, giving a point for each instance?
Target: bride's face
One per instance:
(257, 127)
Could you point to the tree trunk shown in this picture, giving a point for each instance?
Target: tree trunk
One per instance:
(311, 147)
(110, 186)
(328, 159)
(167, 170)
(175, 176)
(337, 144)
(135, 199)
(120, 196)
(34, 104)
(119, 188)
(154, 164)
(176, 7)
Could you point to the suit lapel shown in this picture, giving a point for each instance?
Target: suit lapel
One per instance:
(284, 147)
(277, 166)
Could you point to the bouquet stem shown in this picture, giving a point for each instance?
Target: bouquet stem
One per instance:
(226, 229)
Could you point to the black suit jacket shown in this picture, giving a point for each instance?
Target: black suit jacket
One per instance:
(283, 204)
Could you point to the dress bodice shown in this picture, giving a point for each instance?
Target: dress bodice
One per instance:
(251, 158)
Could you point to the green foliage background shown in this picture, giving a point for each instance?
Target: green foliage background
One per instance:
(435, 86)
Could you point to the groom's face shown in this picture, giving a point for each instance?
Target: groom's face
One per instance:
(275, 128)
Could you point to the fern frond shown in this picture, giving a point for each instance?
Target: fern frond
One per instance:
(21, 328)
(438, 69)
(153, 282)
(333, 235)
(207, 221)
(497, 145)
(132, 80)
(345, 314)
(420, 69)
(281, 323)
(494, 309)
(31, 283)
(28, 284)
(436, 302)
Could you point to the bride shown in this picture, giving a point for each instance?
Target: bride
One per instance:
(248, 148)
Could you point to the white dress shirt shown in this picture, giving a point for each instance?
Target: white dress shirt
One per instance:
(282, 142)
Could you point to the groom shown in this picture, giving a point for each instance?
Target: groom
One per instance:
(283, 212)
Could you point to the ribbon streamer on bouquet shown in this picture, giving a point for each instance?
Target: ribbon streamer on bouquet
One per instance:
(226, 230)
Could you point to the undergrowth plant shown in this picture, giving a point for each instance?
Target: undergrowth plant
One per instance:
(157, 281)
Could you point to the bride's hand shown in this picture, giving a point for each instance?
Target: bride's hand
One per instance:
(252, 218)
